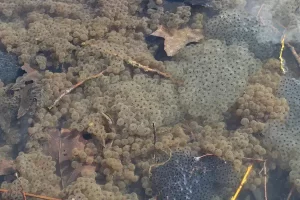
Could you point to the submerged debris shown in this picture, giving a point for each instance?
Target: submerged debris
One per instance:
(61, 147)
(6, 166)
(30, 90)
(175, 39)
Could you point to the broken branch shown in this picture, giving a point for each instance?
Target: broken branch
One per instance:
(264, 169)
(160, 164)
(244, 180)
(136, 64)
(147, 69)
(265, 181)
(32, 195)
(291, 192)
(295, 54)
(154, 141)
(74, 87)
(23, 193)
(6, 167)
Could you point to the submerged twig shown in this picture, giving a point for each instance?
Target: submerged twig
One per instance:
(244, 180)
(264, 169)
(33, 195)
(160, 164)
(154, 141)
(147, 69)
(134, 63)
(282, 62)
(200, 157)
(110, 125)
(265, 181)
(107, 118)
(59, 157)
(74, 87)
(291, 192)
(23, 193)
(294, 52)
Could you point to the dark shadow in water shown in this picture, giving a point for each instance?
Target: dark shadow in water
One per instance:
(278, 187)
(160, 53)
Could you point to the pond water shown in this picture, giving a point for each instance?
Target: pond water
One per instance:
(149, 99)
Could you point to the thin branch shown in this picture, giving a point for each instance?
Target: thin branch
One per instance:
(282, 62)
(59, 157)
(154, 141)
(294, 52)
(264, 169)
(147, 69)
(133, 63)
(291, 192)
(258, 13)
(23, 193)
(265, 181)
(244, 180)
(154, 134)
(74, 87)
(198, 158)
(33, 195)
(160, 164)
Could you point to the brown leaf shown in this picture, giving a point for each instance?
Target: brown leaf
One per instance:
(86, 169)
(26, 101)
(62, 142)
(69, 141)
(29, 90)
(30, 75)
(6, 167)
(60, 146)
(51, 148)
(175, 39)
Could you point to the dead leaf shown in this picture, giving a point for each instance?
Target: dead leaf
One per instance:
(60, 146)
(70, 139)
(86, 169)
(6, 167)
(26, 67)
(62, 142)
(175, 39)
(26, 101)
(30, 75)
(51, 147)
(28, 89)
